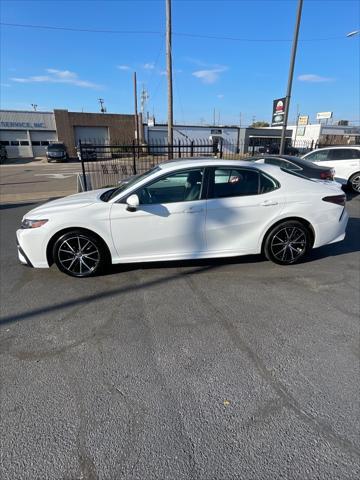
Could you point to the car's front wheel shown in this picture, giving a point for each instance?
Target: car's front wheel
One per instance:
(80, 254)
(287, 243)
(354, 182)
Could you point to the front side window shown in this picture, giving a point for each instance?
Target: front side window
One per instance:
(183, 186)
(234, 182)
(320, 156)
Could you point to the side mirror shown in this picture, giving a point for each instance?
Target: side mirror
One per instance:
(132, 203)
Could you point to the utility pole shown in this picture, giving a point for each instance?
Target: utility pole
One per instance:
(136, 112)
(169, 77)
(214, 116)
(291, 74)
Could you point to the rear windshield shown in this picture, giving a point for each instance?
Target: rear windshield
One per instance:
(296, 174)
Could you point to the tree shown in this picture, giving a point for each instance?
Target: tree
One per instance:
(260, 124)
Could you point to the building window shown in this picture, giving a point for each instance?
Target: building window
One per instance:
(23, 143)
(36, 143)
(4, 142)
(44, 143)
(14, 143)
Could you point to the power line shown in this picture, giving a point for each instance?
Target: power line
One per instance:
(155, 32)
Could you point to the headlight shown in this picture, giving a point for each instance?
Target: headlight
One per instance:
(27, 223)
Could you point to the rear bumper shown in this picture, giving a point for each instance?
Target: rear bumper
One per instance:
(331, 231)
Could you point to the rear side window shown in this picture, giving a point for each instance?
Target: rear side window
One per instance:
(234, 182)
(343, 154)
(267, 184)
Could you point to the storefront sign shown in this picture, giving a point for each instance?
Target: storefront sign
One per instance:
(303, 120)
(23, 125)
(278, 113)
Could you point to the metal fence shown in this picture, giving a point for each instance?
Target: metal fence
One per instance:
(105, 165)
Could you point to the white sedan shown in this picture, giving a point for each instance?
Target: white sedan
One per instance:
(187, 209)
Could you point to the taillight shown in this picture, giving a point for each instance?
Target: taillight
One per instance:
(327, 175)
(337, 199)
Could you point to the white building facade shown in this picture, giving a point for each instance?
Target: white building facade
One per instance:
(26, 134)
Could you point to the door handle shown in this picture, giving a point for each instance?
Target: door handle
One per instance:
(193, 210)
(269, 203)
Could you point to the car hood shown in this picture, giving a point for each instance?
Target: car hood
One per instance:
(79, 200)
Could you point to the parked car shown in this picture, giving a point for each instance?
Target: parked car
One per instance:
(345, 160)
(56, 152)
(88, 153)
(3, 153)
(274, 149)
(300, 165)
(187, 209)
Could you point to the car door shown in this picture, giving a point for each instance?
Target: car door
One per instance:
(169, 222)
(345, 161)
(241, 203)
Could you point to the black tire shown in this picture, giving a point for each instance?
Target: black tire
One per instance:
(287, 243)
(80, 254)
(354, 182)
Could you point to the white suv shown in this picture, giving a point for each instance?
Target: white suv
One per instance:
(345, 161)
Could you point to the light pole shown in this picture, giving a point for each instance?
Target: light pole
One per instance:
(291, 74)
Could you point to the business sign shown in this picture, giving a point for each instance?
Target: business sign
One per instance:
(323, 115)
(303, 119)
(278, 113)
(23, 125)
(21, 120)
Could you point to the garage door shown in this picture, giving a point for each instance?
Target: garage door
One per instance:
(16, 143)
(40, 140)
(93, 135)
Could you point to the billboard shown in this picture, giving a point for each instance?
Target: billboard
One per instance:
(278, 113)
(323, 115)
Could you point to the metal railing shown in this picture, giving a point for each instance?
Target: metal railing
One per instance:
(105, 165)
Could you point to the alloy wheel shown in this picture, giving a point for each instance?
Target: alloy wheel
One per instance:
(78, 255)
(355, 183)
(288, 244)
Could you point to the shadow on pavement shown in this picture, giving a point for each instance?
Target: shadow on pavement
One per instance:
(101, 295)
(5, 206)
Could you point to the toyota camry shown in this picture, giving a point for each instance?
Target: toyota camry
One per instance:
(187, 209)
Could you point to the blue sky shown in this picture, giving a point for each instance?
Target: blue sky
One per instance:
(71, 69)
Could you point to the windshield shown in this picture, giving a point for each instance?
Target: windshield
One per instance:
(56, 147)
(131, 183)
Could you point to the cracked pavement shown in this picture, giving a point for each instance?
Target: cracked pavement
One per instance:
(209, 370)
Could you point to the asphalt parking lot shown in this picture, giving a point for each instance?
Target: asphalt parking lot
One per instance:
(216, 370)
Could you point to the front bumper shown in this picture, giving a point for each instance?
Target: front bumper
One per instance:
(31, 246)
(22, 256)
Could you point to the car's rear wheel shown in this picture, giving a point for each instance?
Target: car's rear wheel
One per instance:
(287, 243)
(80, 254)
(354, 182)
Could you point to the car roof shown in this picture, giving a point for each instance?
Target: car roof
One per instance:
(334, 147)
(204, 162)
